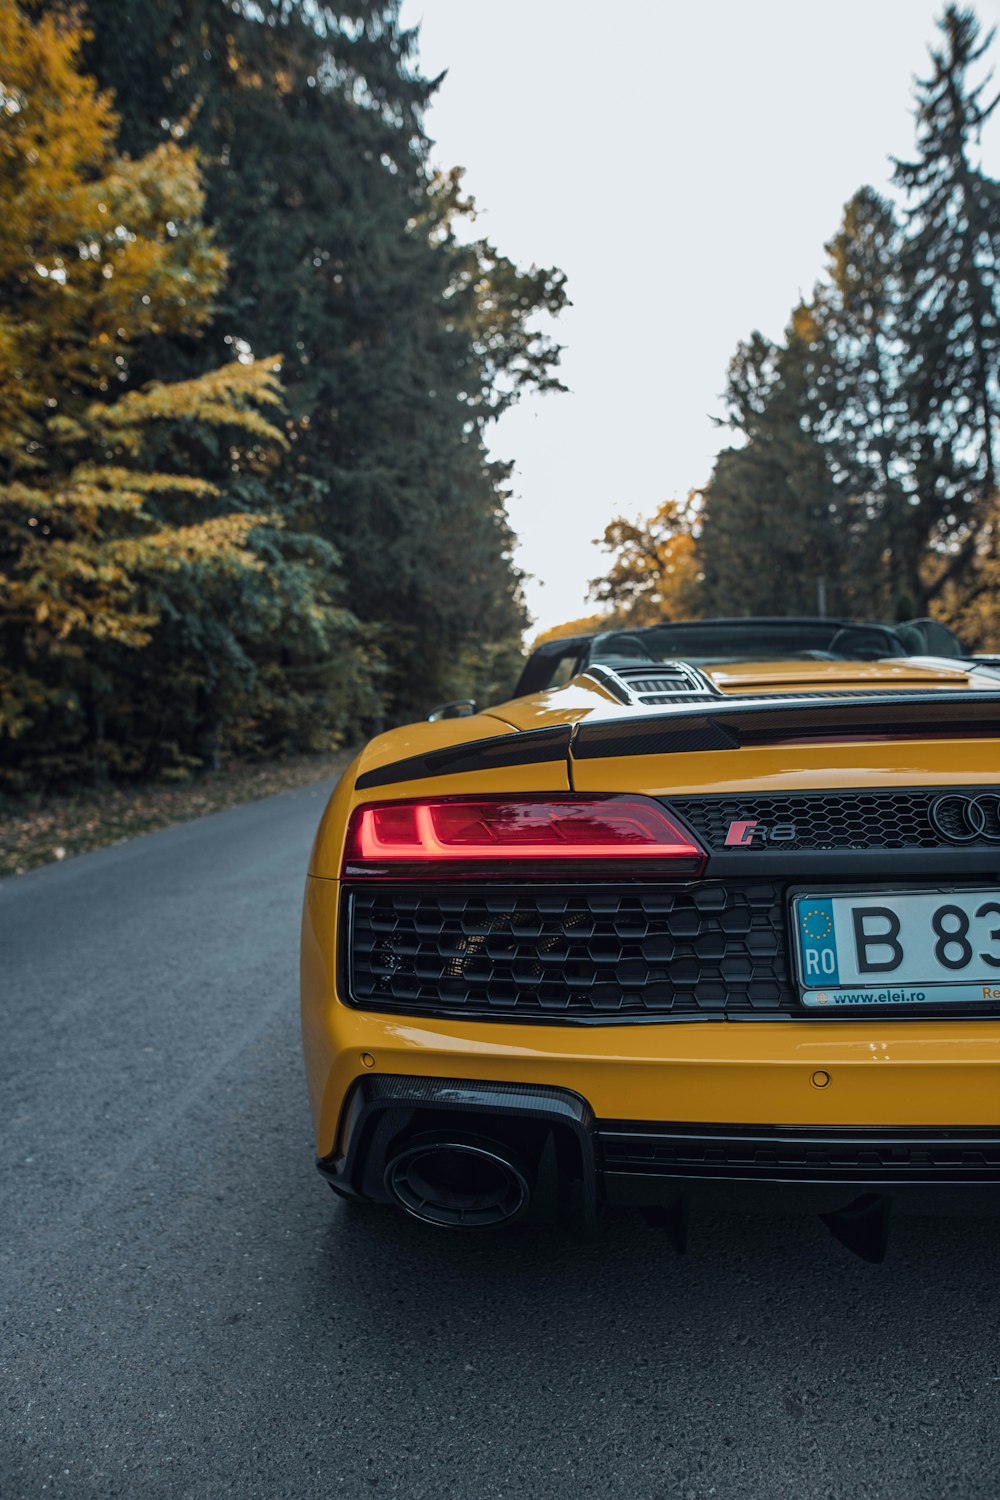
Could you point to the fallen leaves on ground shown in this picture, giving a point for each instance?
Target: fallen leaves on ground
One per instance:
(65, 825)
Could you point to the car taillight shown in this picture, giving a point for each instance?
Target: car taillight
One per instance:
(428, 837)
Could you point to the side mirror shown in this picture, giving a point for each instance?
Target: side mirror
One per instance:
(461, 708)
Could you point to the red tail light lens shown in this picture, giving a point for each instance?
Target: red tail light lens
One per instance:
(426, 836)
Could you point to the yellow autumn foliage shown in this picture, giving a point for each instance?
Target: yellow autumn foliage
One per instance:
(585, 625)
(970, 603)
(654, 573)
(98, 253)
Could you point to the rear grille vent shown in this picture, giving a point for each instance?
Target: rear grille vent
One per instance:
(838, 820)
(579, 953)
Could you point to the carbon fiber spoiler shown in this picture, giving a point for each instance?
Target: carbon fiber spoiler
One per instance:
(731, 725)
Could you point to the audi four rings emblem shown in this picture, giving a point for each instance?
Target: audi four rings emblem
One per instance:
(963, 820)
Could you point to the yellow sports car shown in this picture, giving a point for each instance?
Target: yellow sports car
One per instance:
(707, 912)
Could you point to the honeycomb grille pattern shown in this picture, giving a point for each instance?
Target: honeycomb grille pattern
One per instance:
(588, 953)
(840, 820)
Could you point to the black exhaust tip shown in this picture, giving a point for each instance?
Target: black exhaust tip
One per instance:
(458, 1183)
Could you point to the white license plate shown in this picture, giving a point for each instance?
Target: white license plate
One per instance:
(892, 948)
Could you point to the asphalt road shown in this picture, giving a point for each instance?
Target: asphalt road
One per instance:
(188, 1311)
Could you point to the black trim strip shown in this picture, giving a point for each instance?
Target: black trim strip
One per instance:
(949, 863)
(876, 1155)
(673, 735)
(521, 748)
(730, 726)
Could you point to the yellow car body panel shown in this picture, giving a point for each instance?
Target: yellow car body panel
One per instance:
(797, 1072)
(752, 676)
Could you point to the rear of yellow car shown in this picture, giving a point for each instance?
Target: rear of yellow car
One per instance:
(749, 957)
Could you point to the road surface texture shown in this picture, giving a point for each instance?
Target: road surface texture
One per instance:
(188, 1311)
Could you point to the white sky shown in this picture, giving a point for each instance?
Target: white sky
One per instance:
(684, 164)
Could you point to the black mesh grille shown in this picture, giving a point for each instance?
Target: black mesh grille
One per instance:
(835, 820)
(591, 953)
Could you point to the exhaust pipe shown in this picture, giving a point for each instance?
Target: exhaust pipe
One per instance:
(457, 1182)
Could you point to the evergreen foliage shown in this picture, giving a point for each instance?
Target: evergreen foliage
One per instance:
(865, 421)
(401, 340)
(774, 528)
(196, 559)
(951, 303)
(863, 478)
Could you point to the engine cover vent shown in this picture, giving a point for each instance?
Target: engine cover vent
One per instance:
(655, 682)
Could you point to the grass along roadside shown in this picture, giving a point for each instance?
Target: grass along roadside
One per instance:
(70, 824)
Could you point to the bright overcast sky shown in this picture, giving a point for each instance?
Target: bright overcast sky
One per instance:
(684, 165)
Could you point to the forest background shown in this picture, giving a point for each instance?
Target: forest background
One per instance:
(861, 476)
(246, 367)
(251, 347)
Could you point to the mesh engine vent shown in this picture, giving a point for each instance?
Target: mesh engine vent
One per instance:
(674, 682)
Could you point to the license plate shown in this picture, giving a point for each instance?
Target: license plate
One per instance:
(895, 948)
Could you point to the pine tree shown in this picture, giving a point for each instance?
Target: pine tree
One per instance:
(773, 536)
(952, 312)
(401, 341)
(865, 420)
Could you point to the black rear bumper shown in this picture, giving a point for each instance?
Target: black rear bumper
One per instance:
(579, 1161)
(781, 1170)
